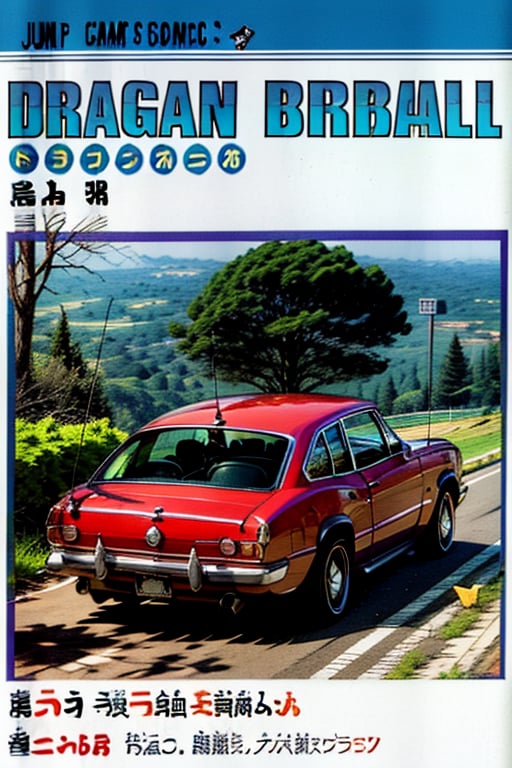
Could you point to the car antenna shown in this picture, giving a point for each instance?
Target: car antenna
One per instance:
(91, 392)
(219, 420)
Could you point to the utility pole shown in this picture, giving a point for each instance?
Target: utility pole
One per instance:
(431, 308)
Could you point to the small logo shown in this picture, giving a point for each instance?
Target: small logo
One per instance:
(59, 158)
(153, 536)
(163, 159)
(129, 159)
(24, 158)
(94, 159)
(242, 37)
(231, 158)
(197, 159)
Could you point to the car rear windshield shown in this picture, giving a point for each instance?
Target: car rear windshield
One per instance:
(220, 457)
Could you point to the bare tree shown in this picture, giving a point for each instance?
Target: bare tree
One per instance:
(29, 273)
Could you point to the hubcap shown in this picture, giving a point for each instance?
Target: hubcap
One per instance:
(445, 522)
(336, 579)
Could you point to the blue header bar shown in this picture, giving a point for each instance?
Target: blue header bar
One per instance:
(30, 26)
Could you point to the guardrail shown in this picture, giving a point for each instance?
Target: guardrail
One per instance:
(422, 417)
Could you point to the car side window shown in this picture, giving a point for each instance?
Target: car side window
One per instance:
(329, 455)
(366, 440)
(338, 449)
(319, 462)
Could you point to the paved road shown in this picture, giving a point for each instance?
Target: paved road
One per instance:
(60, 635)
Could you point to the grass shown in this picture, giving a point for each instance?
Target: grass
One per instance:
(407, 666)
(475, 436)
(455, 673)
(30, 553)
(460, 624)
(456, 627)
(466, 618)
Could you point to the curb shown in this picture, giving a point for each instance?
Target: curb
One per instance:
(425, 638)
(476, 650)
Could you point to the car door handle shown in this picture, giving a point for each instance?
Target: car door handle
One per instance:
(374, 484)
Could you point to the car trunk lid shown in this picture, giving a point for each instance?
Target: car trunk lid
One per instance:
(122, 513)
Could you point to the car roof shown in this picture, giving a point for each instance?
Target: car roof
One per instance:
(281, 413)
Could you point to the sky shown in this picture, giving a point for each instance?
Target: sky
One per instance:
(409, 249)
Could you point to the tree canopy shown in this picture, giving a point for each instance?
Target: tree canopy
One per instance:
(294, 316)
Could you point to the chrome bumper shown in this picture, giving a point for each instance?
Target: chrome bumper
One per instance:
(102, 564)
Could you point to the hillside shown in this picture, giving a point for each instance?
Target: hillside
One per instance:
(144, 375)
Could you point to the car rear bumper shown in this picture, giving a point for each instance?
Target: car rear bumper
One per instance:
(103, 565)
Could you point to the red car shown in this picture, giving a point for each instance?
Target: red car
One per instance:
(255, 494)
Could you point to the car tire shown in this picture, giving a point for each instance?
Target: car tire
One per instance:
(331, 579)
(441, 529)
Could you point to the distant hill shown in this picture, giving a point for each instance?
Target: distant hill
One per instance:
(144, 375)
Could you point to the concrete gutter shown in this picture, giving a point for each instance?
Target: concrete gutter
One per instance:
(475, 648)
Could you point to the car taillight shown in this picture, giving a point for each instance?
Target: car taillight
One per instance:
(227, 547)
(53, 525)
(70, 533)
(57, 532)
(252, 549)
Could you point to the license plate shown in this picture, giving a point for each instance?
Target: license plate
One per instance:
(153, 588)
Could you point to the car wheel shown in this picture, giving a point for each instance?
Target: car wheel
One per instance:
(332, 577)
(441, 530)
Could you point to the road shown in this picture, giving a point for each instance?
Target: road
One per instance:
(61, 635)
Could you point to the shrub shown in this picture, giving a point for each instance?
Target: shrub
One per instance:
(45, 459)
(410, 402)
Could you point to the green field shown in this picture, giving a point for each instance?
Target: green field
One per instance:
(479, 437)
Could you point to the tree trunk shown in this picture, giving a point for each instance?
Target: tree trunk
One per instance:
(22, 288)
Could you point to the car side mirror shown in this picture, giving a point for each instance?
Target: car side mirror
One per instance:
(406, 450)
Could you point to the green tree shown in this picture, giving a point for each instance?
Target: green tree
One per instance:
(294, 316)
(493, 393)
(28, 273)
(387, 395)
(480, 381)
(487, 377)
(137, 370)
(62, 385)
(453, 386)
(411, 381)
(132, 405)
(63, 348)
(411, 401)
(159, 382)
